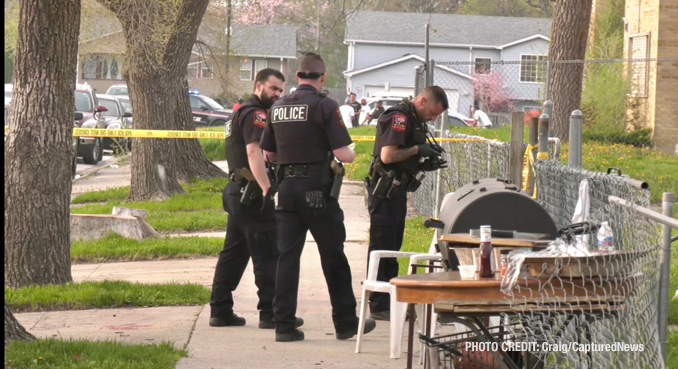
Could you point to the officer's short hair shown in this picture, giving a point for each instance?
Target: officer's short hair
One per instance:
(311, 66)
(264, 74)
(437, 95)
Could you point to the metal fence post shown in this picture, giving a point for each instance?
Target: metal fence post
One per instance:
(574, 156)
(665, 274)
(543, 153)
(517, 151)
(428, 70)
(548, 110)
(534, 133)
(417, 79)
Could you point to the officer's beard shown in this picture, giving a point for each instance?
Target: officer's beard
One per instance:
(266, 100)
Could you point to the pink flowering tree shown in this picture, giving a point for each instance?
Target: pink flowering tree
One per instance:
(266, 12)
(492, 92)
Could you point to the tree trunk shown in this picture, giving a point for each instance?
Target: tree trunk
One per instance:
(160, 35)
(39, 145)
(13, 329)
(192, 163)
(569, 34)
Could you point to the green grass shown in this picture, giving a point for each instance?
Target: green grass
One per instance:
(214, 149)
(104, 295)
(200, 209)
(363, 150)
(417, 239)
(80, 354)
(672, 349)
(116, 248)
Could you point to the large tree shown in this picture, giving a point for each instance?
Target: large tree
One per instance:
(569, 34)
(159, 36)
(13, 329)
(38, 148)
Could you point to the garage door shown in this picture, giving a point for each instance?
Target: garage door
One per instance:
(396, 91)
(453, 99)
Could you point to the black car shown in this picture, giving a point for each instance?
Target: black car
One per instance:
(207, 112)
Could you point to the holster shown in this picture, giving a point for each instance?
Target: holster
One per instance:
(339, 172)
(387, 183)
(274, 176)
(415, 181)
(248, 185)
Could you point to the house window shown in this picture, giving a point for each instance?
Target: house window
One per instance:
(245, 69)
(260, 64)
(199, 70)
(532, 68)
(528, 109)
(639, 67)
(100, 67)
(483, 65)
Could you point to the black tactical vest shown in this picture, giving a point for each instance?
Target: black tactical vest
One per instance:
(416, 136)
(236, 149)
(299, 130)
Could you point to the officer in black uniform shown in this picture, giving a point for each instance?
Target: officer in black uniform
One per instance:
(396, 169)
(251, 227)
(303, 134)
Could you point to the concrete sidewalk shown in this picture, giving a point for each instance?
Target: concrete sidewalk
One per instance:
(230, 347)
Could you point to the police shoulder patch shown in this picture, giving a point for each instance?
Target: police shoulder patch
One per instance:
(341, 120)
(260, 118)
(399, 122)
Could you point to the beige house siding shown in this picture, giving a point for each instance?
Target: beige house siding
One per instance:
(657, 20)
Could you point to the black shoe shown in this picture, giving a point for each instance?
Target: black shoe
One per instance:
(268, 324)
(231, 321)
(382, 315)
(297, 335)
(370, 324)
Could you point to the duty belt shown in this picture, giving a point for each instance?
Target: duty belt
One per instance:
(303, 170)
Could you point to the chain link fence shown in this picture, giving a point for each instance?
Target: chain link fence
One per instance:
(588, 297)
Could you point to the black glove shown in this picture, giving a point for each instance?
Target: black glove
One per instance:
(267, 202)
(433, 163)
(425, 150)
(315, 200)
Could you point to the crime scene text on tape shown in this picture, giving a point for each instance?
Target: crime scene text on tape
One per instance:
(203, 135)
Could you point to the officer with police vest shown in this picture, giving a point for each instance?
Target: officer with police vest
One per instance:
(304, 133)
(251, 227)
(396, 169)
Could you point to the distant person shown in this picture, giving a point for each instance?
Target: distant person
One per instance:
(326, 93)
(480, 119)
(374, 114)
(356, 109)
(347, 113)
(238, 104)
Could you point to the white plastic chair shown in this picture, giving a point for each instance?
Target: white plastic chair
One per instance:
(398, 309)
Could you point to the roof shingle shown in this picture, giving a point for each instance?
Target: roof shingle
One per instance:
(262, 41)
(445, 28)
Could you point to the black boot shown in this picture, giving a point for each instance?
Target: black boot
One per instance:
(231, 321)
(297, 335)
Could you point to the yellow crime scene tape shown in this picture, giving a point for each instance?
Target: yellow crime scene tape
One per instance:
(203, 135)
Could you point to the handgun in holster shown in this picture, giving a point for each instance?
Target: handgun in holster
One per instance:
(274, 176)
(251, 190)
(415, 181)
(387, 184)
(339, 171)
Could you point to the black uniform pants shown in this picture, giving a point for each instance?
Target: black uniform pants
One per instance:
(387, 227)
(294, 219)
(248, 233)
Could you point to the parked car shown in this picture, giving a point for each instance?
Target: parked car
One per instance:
(457, 119)
(207, 112)
(116, 118)
(117, 90)
(91, 149)
(386, 102)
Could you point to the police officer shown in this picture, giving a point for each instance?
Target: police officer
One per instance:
(250, 232)
(395, 170)
(304, 133)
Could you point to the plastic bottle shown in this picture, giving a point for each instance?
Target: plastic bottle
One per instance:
(485, 252)
(605, 237)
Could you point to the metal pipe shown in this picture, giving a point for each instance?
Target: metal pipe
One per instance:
(428, 71)
(556, 148)
(548, 110)
(574, 155)
(636, 183)
(543, 153)
(547, 88)
(417, 80)
(663, 219)
(665, 274)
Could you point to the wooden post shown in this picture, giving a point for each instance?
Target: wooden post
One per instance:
(516, 163)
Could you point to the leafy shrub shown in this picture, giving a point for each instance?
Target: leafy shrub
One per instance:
(637, 138)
